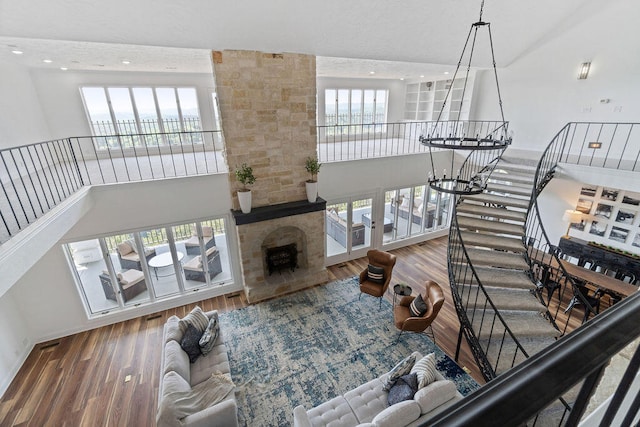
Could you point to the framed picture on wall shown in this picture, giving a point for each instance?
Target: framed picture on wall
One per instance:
(609, 194)
(588, 190)
(578, 225)
(631, 199)
(618, 234)
(603, 210)
(625, 217)
(584, 205)
(598, 228)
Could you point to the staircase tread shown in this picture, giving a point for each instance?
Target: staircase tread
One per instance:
(506, 278)
(497, 258)
(522, 323)
(511, 189)
(492, 241)
(503, 175)
(514, 299)
(499, 200)
(490, 211)
(498, 227)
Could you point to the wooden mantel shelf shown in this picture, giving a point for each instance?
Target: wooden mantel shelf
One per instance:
(264, 213)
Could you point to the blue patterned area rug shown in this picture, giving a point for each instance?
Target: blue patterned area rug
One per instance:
(308, 347)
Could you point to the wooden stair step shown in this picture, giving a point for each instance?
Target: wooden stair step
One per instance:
(468, 208)
(497, 227)
(491, 258)
(499, 200)
(492, 241)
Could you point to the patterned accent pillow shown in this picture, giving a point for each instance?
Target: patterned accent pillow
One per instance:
(418, 307)
(375, 274)
(425, 369)
(190, 344)
(404, 389)
(210, 335)
(402, 368)
(196, 318)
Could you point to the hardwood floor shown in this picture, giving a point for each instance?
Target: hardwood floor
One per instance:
(81, 380)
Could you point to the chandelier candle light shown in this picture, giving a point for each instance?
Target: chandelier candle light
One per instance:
(486, 140)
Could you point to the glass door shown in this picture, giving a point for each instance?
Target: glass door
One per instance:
(349, 228)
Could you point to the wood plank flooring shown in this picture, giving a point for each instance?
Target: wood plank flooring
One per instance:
(79, 380)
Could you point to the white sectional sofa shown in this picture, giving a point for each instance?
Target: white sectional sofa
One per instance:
(177, 374)
(366, 406)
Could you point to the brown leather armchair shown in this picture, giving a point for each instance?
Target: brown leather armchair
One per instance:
(404, 320)
(381, 259)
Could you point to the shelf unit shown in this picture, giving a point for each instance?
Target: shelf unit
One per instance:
(425, 100)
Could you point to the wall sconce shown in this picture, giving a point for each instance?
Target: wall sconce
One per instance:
(572, 217)
(595, 145)
(584, 70)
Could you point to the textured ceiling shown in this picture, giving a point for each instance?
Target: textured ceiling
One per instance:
(396, 39)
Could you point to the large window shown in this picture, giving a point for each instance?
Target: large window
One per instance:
(129, 269)
(355, 107)
(140, 110)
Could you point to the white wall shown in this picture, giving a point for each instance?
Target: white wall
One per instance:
(541, 91)
(21, 117)
(16, 338)
(61, 101)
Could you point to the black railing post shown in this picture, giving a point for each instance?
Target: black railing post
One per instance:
(75, 161)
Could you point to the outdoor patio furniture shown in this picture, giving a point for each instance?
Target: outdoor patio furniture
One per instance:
(337, 229)
(130, 283)
(193, 244)
(194, 268)
(129, 257)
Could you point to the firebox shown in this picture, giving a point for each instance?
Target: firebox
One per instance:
(282, 257)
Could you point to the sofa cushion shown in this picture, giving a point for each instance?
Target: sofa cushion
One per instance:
(210, 335)
(375, 274)
(404, 388)
(175, 359)
(367, 400)
(191, 343)
(172, 330)
(402, 368)
(124, 248)
(400, 414)
(197, 318)
(426, 370)
(434, 395)
(334, 413)
(174, 383)
(216, 361)
(418, 307)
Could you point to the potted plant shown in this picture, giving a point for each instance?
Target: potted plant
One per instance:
(244, 174)
(313, 167)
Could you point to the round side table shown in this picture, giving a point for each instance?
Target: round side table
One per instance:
(401, 290)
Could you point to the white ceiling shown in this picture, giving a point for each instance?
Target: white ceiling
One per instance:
(394, 39)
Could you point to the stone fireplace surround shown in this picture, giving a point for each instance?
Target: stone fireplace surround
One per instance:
(298, 222)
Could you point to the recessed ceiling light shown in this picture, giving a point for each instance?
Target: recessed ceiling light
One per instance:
(422, 76)
(47, 61)
(17, 52)
(401, 78)
(372, 72)
(446, 72)
(126, 62)
(64, 68)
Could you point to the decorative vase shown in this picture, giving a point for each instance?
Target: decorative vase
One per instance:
(312, 191)
(244, 198)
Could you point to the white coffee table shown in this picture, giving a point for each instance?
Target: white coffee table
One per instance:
(164, 260)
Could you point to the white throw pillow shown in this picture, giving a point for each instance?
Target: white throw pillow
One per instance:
(434, 395)
(400, 414)
(426, 370)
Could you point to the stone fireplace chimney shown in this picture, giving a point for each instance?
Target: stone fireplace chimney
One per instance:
(268, 111)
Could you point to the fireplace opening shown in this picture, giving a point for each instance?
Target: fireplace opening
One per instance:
(282, 257)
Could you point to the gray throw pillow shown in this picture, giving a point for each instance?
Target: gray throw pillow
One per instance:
(190, 342)
(404, 388)
(418, 307)
(375, 274)
(210, 336)
(402, 368)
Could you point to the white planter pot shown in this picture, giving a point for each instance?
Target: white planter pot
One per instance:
(244, 197)
(312, 191)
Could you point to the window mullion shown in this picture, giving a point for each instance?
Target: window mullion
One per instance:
(175, 92)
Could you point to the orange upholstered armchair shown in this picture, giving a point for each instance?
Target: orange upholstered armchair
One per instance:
(407, 317)
(374, 280)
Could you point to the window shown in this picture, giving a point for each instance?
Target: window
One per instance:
(116, 111)
(130, 269)
(355, 107)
